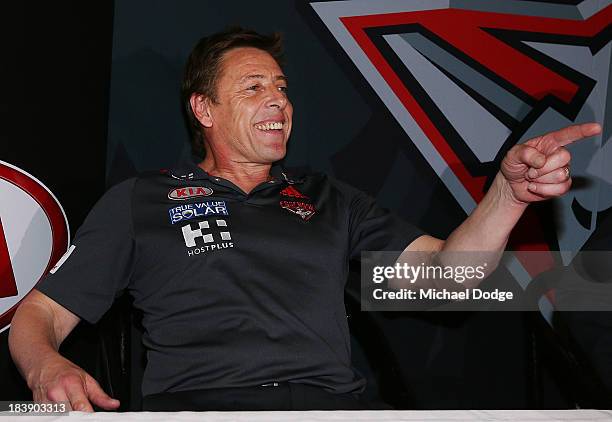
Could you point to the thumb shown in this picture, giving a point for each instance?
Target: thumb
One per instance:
(97, 395)
(528, 155)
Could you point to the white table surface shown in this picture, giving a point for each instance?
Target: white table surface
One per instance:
(321, 416)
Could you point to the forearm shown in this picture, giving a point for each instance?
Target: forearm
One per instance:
(38, 328)
(488, 227)
(33, 339)
(480, 239)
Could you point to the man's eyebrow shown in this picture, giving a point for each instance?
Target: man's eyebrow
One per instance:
(258, 76)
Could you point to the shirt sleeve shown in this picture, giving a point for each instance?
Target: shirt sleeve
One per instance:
(98, 265)
(373, 228)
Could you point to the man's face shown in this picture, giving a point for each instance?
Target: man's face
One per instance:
(251, 120)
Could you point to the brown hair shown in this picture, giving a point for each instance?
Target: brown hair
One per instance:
(203, 69)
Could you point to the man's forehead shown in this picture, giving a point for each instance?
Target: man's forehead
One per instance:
(246, 63)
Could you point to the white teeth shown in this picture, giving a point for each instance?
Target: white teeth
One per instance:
(269, 126)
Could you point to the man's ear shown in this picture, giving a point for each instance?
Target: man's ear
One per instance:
(200, 105)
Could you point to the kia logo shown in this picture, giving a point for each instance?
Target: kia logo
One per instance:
(180, 194)
(34, 235)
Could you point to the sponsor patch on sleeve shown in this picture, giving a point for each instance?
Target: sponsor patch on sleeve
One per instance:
(201, 209)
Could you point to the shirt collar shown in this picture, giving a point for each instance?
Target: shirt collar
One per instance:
(289, 176)
(191, 171)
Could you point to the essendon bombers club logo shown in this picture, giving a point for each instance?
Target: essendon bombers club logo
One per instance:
(33, 236)
(297, 203)
(466, 85)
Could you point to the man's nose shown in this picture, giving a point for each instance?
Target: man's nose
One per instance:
(277, 99)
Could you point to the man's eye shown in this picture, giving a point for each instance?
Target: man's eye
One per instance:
(283, 88)
(253, 87)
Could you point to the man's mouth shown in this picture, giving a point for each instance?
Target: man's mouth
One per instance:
(269, 125)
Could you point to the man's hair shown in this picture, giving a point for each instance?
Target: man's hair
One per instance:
(203, 69)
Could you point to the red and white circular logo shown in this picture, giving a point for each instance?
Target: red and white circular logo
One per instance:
(34, 234)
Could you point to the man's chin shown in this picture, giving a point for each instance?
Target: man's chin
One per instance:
(274, 155)
(270, 148)
(273, 151)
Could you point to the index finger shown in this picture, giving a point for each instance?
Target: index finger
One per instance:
(573, 133)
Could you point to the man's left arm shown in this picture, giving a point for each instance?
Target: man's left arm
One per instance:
(530, 172)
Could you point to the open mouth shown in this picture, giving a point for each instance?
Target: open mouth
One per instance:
(269, 126)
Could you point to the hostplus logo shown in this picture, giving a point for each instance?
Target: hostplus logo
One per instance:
(206, 236)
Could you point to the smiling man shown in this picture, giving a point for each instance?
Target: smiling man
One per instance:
(238, 264)
(247, 119)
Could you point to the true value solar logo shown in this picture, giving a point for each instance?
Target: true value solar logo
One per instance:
(33, 236)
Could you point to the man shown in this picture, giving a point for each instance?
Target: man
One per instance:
(239, 265)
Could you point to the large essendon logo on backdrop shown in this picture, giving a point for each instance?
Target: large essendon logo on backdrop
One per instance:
(466, 85)
(33, 236)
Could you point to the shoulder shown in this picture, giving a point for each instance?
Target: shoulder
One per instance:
(132, 185)
(347, 190)
(124, 187)
(331, 188)
(307, 175)
(117, 193)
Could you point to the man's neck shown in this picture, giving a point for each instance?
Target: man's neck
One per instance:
(244, 175)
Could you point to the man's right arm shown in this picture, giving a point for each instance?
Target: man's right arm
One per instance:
(38, 328)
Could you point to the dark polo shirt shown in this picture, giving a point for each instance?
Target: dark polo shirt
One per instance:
(236, 289)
